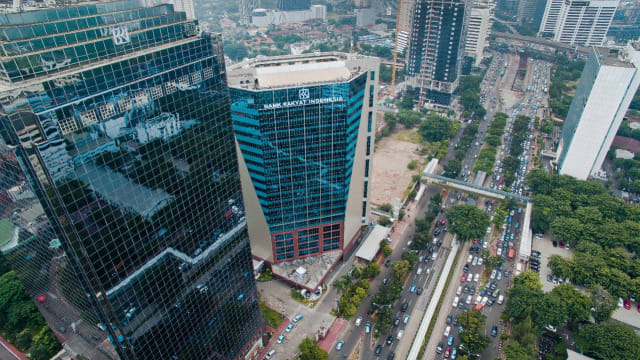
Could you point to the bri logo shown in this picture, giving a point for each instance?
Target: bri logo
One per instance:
(303, 94)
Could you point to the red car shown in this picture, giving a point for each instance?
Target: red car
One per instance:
(561, 245)
(627, 304)
(475, 241)
(443, 221)
(638, 307)
(447, 351)
(463, 278)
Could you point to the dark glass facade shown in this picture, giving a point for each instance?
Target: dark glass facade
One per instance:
(300, 159)
(435, 45)
(124, 182)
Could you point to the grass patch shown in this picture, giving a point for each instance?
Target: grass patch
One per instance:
(272, 318)
(412, 137)
(423, 347)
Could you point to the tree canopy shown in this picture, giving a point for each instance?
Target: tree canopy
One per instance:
(309, 350)
(467, 222)
(609, 341)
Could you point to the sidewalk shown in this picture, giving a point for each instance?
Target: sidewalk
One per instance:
(332, 335)
(10, 351)
(274, 338)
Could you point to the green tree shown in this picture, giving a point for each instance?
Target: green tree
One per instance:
(384, 221)
(372, 269)
(452, 168)
(562, 266)
(412, 164)
(435, 128)
(467, 222)
(576, 305)
(609, 341)
(309, 350)
(386, 207)
(472, 333)
(407, 101)
(603, 303)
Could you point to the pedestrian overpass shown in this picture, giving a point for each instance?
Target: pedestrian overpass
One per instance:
(459, 185)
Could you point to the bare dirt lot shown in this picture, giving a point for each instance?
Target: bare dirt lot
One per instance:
(391, 177)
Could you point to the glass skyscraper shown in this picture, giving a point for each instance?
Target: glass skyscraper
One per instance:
(305, 128)
(121, 183)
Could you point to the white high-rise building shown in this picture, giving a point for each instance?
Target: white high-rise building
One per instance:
(608, 83)
(478, 29)
(578, 22)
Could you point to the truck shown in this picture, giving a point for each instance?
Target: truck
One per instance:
(511, 254)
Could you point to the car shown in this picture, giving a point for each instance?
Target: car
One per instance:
(367, 328)
(390, 340)
(297, 318)
(378, 350)
(439, 348)
(480, 261)
(396, 322)
(469, 258)
(499, 275)
(386, 263)
(493, 275)
(449, 319)
(280, 339)
(456, 321)
(561, 244)
(459, 291)
(385, 281)
(456, 300)
(270, 354)
(549, 278)
(358, 321)
(450, 340)
(468, 300)
(443, 222)
(555, 243)
(555, 280)
(339, 345)
(463, 278)
(391, 356)
(476, 277)
(290, 327)
(472, 290)
(639, 308)
(627, 304)
(202, 288)
(494, 331)
(405, 320)
(466, 289)
(447, 352)
(419, 290)
(466, 269)
(484, 291)
(405, 306)
(413, 288)
(454, 353)
(474, 262)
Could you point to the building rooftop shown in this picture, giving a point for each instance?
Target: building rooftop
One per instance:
(612, 57)
(294, 70)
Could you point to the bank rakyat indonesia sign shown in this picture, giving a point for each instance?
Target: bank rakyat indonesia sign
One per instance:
(303, 99)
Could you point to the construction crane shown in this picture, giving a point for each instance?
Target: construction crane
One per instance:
(402, 4)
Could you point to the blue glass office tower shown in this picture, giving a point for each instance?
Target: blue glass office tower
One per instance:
(124, 192)
(305, 129)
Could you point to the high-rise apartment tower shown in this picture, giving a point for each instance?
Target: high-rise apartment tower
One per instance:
(578, 22)
(126, 198)
(435, 48)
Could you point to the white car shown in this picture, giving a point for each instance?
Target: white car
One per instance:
(479, 261)
(476, 277)
(470, 259)
(358, 321)
(468, 300)
(456, 300)
(475, 261)
(484, 301)
(447, 330)
(493, 274)
(459, 291)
